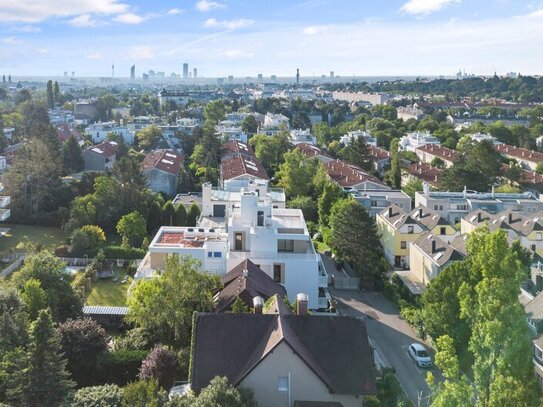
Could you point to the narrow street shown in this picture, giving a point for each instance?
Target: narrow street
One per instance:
(391, 336)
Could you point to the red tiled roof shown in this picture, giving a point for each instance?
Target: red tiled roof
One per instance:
(348, 175)
(238, 165)
(425, 172)
(378, 154)
(236, 147)
(64, 132)
(311, 151)
(440, 151)
(106, 149)
(165, 160)
(521, 153)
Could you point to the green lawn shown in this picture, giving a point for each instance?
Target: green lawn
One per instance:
(19, 235)
(108, 292)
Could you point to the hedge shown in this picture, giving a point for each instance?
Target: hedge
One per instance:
(120, 367)
(120, 252)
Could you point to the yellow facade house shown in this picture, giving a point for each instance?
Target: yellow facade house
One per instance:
(435, 223)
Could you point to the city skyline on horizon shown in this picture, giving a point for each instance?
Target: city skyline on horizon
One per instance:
(222, 38)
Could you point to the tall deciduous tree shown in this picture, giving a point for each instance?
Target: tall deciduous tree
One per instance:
(296, 172)
(331, 193)
(165, 304)
(354, 236)
(34, 298)
(44, 381)
(358, 153)
(132, 227)
(394, 175)
(50, 95)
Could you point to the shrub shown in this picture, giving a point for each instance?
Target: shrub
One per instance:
(107, 395)
(160, 364)
(120, 367)
(144, 393)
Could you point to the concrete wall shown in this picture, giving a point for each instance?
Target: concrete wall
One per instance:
(93, 161)
(304, 384)
(161, 181)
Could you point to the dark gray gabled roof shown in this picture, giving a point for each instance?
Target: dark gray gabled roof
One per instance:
(430, 219)
(335, 349)
(441, 252)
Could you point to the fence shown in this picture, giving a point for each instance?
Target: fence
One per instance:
(83, 261)
(13, 266)
(346, 283)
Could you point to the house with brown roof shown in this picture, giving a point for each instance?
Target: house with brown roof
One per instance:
(380, 158)
(100, 157)
(422, 171)
(429, 254)
(311, 151)
(351, 177)
(236, 147)
(162, 167)
(246, 281)
(238, 170)
(528, 159)
(429, 152)
(285, 358)
(434, 222)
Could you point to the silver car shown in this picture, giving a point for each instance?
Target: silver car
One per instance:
(420, 355)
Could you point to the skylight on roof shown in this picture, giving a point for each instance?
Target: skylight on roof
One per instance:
(170, 155)
(438, 256)
(167, 162)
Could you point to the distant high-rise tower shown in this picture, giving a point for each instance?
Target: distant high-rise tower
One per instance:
(65, 74)
(112, 70)
(133, 72)
(73, 74)
(331, 74)
(260, 77)
(195, 74)
(185, 70)
(297, 77)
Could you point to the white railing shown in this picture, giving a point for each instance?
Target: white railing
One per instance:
(271, 255)
(323, 281)
(322, 302)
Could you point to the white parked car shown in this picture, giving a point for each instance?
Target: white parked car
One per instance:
(420, 355)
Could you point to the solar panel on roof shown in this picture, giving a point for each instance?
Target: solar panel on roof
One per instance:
(97, 150)
(167, 162)
(170, 155)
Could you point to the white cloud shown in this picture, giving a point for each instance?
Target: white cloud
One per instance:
(84, 20)
(33, 11)
(423, 7)
(95, 56)
(236, 53)
(205, 5)
(227, 24)
(141, 52)
(314, 30)
(43, 51)
(28, 29)
(129, 18)
(537, 13)
(11, 40)
(175, 11)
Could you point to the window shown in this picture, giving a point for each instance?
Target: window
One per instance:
(400, 205)
(278, 273)
(209, 254)
(285, 245)
(533, 248)
(443, 230)
(403, 245)
(538, 236)
(538, 353)
(373, 203)
(238, 241)
(217, 254)
(282, 383)
(260, 218)
(410, 230)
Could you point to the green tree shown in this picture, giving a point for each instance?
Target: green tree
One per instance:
(331, 193)
(393, 176)
(148, 136)
(72, 157)
(50, 96)
(239, 307)
(295, 172)
(180, 215)
(44, 381)
(358, 153)
(168, 214)
(144, 393)
(193, 214)
(33, 298)
(63, 301)
(154, 220)
(354, 236)
(109, 395)
(13, 322)
(412, 186)
(249, 124)
(165, 304)
(270, 150)
(132, 227)
(308, 206)
(56, 93)
(219, 392)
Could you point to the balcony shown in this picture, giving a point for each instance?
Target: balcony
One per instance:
(4, 214)
(323, 281)
(4, 201)
(271, 255)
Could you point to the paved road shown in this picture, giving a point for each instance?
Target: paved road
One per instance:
(390, 335)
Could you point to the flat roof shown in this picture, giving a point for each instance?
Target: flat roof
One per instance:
(411, 282)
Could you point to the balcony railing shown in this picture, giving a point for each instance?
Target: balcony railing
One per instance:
(4, 201)
(4, 214)
(323, 281)
(322, 303)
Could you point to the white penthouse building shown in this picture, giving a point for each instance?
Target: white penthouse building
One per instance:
(250, 223)
(355, 135)
(412, 141)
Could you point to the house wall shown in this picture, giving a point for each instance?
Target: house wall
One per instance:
(466, 227)
(423, 268)
(450, 232)
(161, 181)
(304, 384)
(93, 161)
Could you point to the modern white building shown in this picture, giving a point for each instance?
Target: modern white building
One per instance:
(187, 125)
(298, 136)
(99, 132)
(231, 130)
(355, 135)
(273, 123)
(412, 141)
(484, 137)
(249, 223)
(406, 113)
(179, 98)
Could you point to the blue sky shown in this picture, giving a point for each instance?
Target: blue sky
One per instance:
(246, 37)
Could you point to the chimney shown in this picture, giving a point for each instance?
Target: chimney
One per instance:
(245, 273)
(390, 211)
(510, 218)
(258, 303)
(420, 213)
(301, 304)
(433, 246)
(478, 217)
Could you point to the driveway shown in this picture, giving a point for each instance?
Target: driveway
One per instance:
(391, 336)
